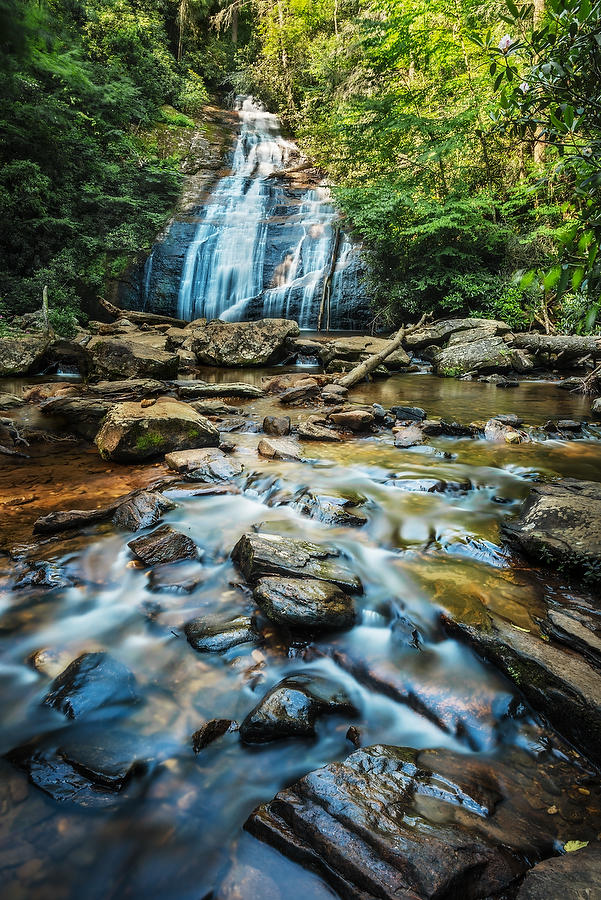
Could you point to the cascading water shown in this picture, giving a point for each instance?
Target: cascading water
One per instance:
(262, 248)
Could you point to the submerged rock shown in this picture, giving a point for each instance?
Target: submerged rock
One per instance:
(131, 432)
(164, 545)
(259, 555)
(88, 766)
(560, 525)
(142, 511)
(91, 682)
(304, 603)
(242, 343)
(181, 577)
(207, 464)
(207, 635)
(291, 708)
(392, 822)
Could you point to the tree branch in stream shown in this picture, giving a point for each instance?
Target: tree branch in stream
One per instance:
(363, 369)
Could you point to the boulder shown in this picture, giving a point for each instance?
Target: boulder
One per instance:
(408, 413)
(260, 555)
(334, 393)
(291, 708)
(164, 545)
(440, 332)
(143, 510)
(10, 401)
(210, 636)
(560, 525)
(20, 356)
(282, 448)
(394, 822)
(132, 432)
(484, 355)
(352, 419)
(345, 353)
(208, 464)
(596, 406)
(306, 389)
(304, 603)
(242, 343)
(91, 682)
(118, 357)
(574, 876)
(276, 425)
(191, 390)
(498, 431)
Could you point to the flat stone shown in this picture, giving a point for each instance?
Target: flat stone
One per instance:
(207, 635)
(276, 425)
(409, 413)
(560, 525)
(120, 357)
(291, 708)
(304, 603)
(131, 432)
(259, 555)
(90, 682)
(353, 419)
(207, 464)
(188, 390)
(144, 510)
(303, 390)
(163, 546)
(215, 408)
(408, 436)
(282, 448)
(393, 822)
(313, 431)
(131, 389)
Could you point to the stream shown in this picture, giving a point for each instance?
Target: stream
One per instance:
(177, 831)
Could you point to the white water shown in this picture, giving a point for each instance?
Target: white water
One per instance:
(227, 264)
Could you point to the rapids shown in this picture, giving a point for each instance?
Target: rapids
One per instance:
(178, 833)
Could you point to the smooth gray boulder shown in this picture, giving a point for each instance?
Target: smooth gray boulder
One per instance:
(484, 355)
(304, 603)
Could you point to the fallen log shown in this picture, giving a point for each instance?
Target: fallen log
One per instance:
(139, 318)
(568, 346)
(363, 369)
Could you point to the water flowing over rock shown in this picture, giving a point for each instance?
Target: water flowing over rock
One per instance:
(259, 246)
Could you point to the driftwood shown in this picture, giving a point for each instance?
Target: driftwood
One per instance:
(363, 369)
(139, 318)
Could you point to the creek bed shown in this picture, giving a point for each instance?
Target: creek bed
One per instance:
(179, 834)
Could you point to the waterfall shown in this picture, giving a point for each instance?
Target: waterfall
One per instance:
(261, 247)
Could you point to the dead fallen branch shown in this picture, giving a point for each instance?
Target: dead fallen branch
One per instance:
(363, 369)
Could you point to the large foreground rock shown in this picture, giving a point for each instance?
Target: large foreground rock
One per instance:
(394, 823)
(304, 603)
(118, 357)
(259, 555)
(574, 876)
(242, 343)
(560, 524)
(131, 432)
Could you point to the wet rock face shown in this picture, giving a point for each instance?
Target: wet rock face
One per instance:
(88, 766)
(292, 707)
(209, 636)
(242, 343)
(132, 432)
(575, 876)
(392, 822)
(259, 555)
(91, 682)
(208, 464)
(304, 603)
(165, 545)
(118, 357)
(142, 511)
(560, 525)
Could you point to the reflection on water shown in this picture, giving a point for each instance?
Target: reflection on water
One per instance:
(179, 834)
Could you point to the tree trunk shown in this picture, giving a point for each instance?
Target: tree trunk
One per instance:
(327, 284)
(235, 25)
(538, 150)
(364, 368)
